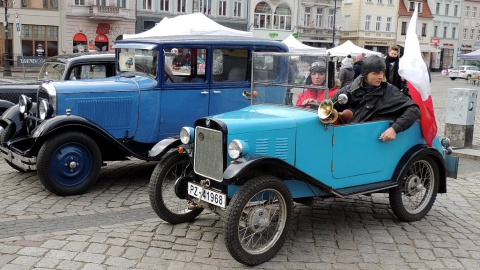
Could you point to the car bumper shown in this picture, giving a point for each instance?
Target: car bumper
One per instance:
(21, 161)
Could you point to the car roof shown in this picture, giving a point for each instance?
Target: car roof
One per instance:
(65, 58)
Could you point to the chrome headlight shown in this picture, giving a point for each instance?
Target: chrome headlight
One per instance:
(43, 109)
(186, 135)
(237, 149)
(24, 104)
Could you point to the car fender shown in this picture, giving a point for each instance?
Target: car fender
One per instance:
(5, 104)
(60, 123)
(163, 146)
(13, 115)
(246, 168)
(418, 151)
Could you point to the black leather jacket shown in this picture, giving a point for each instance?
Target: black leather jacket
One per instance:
(378, 103)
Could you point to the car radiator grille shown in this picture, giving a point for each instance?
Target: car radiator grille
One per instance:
(209, 153)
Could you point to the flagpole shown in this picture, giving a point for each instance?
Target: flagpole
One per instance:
(334, 16)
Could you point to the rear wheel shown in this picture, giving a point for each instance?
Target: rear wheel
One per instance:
(258, 219)
(416, 191)
(453, 78)
(168, 189)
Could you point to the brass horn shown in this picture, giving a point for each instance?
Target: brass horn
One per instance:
(326, 111)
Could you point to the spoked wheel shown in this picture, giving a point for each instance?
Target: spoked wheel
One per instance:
(168, 189)
(416, 191)
(258, 219)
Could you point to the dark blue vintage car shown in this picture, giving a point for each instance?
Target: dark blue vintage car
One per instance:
(250, 165)
(163, 83)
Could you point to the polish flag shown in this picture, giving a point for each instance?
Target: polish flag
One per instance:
(414, 70)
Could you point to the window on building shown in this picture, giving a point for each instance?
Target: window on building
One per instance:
(435, 31)
(467, 10)
(347, 22)
(101, 3)
(424, 29)
(390, 2)
(222, 8)
(445, 32)
(331, 18)
(40, 4)
(455, 10)
(307, 16)
(262, 15)
(380, 1)
(378, 24)
(454, 30)
(237, 8)
(472, 32)
(404, 28)
(368, 18)
(39, 40)
(79, 2)
(412, 4)
(282, 19)
(478, 35)
(147, 4)
(164, 5)
(388, 26)
(181, 6)
(320, 18)
(464, 35)
(204, 6)
(447, 9)
(437, 8)
(122, 3)
(369, 1)
(474, 12)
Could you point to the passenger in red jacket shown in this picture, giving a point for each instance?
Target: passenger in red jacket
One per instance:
(312, 97)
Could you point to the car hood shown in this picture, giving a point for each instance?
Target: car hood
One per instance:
(117, 84)
(266, 117)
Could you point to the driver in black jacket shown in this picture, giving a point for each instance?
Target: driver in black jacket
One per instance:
(372, 99)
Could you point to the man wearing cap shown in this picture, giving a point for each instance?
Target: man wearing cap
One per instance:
(312, 97)
(372, 99)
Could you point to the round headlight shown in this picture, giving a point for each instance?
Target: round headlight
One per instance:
(43, 109)
(235, 149)
(24, 104)
(186, 135)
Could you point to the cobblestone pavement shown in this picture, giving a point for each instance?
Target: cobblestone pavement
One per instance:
(114, 227)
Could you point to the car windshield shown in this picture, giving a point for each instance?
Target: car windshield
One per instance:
(52, 71)
(289, 79)
(138, 61)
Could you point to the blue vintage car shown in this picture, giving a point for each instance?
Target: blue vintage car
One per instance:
(250, 165)
(163, 83)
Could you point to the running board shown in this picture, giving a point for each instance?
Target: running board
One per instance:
(369, 188)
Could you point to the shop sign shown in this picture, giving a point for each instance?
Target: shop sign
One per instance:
(273, 35)
(435, 42)
(30, 61)
(376, 43)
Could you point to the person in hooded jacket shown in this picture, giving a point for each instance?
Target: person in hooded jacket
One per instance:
(392, 65)
(346, 72)
(372, 99)
(357, 66)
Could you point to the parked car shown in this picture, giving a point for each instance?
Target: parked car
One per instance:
(463, 72)
(79, 125)
(78, 66)
(250, 165)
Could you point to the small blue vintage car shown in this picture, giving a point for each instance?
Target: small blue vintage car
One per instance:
(250, 165)
(163, 83)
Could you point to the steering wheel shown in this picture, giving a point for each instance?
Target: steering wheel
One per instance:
(312, 106)
(168, 77)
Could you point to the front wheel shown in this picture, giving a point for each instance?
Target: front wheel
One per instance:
(416, 191)
(69, 163)
(258, 219)
(453, 78)
(168, 189)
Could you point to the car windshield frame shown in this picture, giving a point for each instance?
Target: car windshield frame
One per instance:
(53, 71)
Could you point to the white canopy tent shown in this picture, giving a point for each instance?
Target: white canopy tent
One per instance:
(475, 55)
(190, 24)
(349, 48)
(296, 46)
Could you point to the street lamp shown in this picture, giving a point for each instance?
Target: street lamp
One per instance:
(6, 69)
(334, 16)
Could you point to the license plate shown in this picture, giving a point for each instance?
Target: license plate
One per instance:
(209, 195)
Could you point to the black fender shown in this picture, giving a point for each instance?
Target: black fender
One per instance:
(243, 169)
(13, 115)
(53, 126)
(4, 105)
(163, 146)
(419, 151)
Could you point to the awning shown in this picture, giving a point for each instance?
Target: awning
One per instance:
(80, 37)
(428, 48)
(101, 38)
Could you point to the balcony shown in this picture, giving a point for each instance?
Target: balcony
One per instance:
(104, 13)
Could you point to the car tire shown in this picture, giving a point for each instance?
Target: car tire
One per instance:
(453, 78)
(266, 223)
(69, 163)
(168, 189)
(417, 189)
(6, 135)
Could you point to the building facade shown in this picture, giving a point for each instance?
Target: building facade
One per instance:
(469, 36)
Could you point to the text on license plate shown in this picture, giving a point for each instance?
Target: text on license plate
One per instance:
(209, 196)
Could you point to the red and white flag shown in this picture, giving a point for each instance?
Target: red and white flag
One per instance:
(414, 70)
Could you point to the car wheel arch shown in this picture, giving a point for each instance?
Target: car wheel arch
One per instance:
(418, 151)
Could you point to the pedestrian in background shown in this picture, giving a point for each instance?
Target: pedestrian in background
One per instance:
(346, 74)
(357, 66)
(391, 73)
